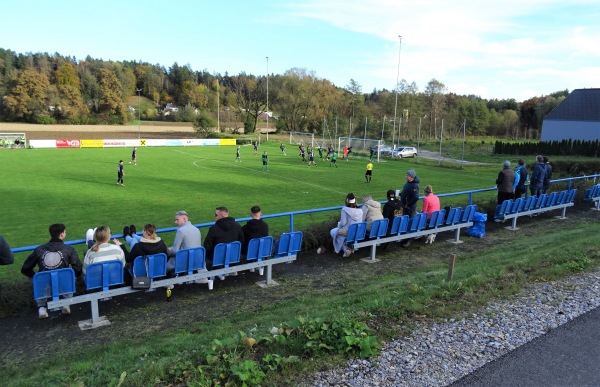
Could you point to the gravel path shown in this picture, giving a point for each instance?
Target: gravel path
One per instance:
(442, 353)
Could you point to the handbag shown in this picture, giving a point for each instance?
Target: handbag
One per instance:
(141, 282)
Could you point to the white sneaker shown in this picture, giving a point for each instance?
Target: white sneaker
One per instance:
(42, 312)
(89, 235)
(222, 277)
(66, 309)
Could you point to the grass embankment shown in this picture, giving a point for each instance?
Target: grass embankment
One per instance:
(406, 287)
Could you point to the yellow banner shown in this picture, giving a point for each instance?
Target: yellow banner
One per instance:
(92, 144)
(227, 141)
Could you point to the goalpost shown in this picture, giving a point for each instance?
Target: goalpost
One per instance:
(361, 146)
(302, 138)
(13, 140)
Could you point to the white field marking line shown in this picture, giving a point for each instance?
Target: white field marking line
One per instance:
(255, 171)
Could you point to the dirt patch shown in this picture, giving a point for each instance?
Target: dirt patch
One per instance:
(143, 315)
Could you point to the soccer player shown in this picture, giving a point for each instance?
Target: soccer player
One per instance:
(255, 147)
(237, 154)
(333, 159)
(372, 154)
(303, 154)
(120, 173)
(265, 161)
(282, 147)
(133, 156)
(311, 158)
(321, 152)
(369, 172)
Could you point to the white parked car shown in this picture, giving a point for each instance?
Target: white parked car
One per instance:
(384, 149)
(404, 151)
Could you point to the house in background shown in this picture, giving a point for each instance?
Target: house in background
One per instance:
(575, 118)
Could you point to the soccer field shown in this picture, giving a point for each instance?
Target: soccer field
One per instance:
(77, 187)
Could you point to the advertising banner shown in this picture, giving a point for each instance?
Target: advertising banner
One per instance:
(92, 143)
(68, 143)
(114, 143)
(227, 141)
(42, 143)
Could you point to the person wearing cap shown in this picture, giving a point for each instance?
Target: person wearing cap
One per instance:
(225, 230)
(186, 237)
(410, 193)
(350, 214)
(431, 203)
(505, 183)
(536, 184)
(391, 208)
(255, 228)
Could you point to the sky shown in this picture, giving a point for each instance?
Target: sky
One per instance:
(492, 49)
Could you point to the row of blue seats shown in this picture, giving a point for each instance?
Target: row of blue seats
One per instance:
(262, 253)
(593, 194)
(544, 201)
(404, 227)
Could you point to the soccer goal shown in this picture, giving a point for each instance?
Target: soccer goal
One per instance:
(13, 140)
(302, 138)
(362, 147)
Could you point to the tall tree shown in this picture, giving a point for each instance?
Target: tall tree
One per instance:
(27, 95)
(111, 95)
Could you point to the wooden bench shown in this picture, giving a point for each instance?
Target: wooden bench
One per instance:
(190, 267)
(513, 209)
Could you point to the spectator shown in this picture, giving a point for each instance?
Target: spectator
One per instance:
(102, 251)
(255, 228)
(350, 214)
(431, 203)
(371, 210)
(410, 193)
(391, 208)
(505, 183)
(149, 244)
(186, 237)
(538, 176)
(51, 256)
(6, 254)
(548, 176)
(225, 230)
(521, 178)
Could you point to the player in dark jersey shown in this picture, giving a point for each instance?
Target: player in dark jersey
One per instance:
(133, 156)
(311, 158)
(237, 155)
(120, 173)
(265, 162)
(321, 152)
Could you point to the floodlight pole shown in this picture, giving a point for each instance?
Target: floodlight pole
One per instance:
(397, 81)
(267, 98)
(139, 113)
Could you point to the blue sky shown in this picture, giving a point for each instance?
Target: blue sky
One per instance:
(500, 49)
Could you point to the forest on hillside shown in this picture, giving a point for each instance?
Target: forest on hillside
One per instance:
(47, 88)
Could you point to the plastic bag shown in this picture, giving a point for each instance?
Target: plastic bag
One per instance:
(478, 227)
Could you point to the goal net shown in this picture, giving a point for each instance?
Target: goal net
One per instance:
(304, 138)
(362, 147)
(13, 140)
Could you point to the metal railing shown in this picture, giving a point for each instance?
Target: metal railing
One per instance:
(292, 214)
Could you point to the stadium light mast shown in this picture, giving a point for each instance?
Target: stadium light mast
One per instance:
(139, 112)
(267, 98)
(397, 81)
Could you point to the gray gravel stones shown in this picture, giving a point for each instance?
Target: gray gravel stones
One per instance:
(441, 353)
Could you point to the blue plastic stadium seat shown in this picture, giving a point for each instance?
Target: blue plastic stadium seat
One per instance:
(103, 275)
(571, 196)
(259, 249)
(378, 228)
(400, 225)
(467, 215)
(157, 266)
(289, 243)
(503, 209)
(356, 232)
(529, 203)
(418, 222)
(517, 206)
(53, 284)
(454, 216)
(227, 254)
(437, 219)
(189, 260)
(552, 199)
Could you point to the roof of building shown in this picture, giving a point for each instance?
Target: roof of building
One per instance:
(580, 105)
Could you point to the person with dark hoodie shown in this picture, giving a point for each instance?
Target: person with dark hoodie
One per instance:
(410, 193)
(255, 228)
(150, 244)
(225, 230)
(391, 208)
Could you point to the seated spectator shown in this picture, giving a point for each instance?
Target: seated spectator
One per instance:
(6, 254)
(371, 210)
(255, 228)
(225, 230)
(350, 214)
(102, 251)
(149, 244)
(51, 256)
(391, 208)
(186, 237)
(431, 203)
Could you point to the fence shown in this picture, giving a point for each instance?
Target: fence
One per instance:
(292, 214)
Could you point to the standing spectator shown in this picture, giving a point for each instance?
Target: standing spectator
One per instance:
(225, 230)
(371, 210)
(102, 251)
(505, 183)
(369, 172)
(51, 256)
(255, 228)
(186, 237)
(391, 208)
(538, 176)
(350, 214)
(6, 254)
(133, 156)
(431, 203)
(548, 176)
(265, 161)
(120, 173)
(237, 154)
(410, 193)
(521, 178)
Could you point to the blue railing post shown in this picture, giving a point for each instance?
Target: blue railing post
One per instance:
(291, 222)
